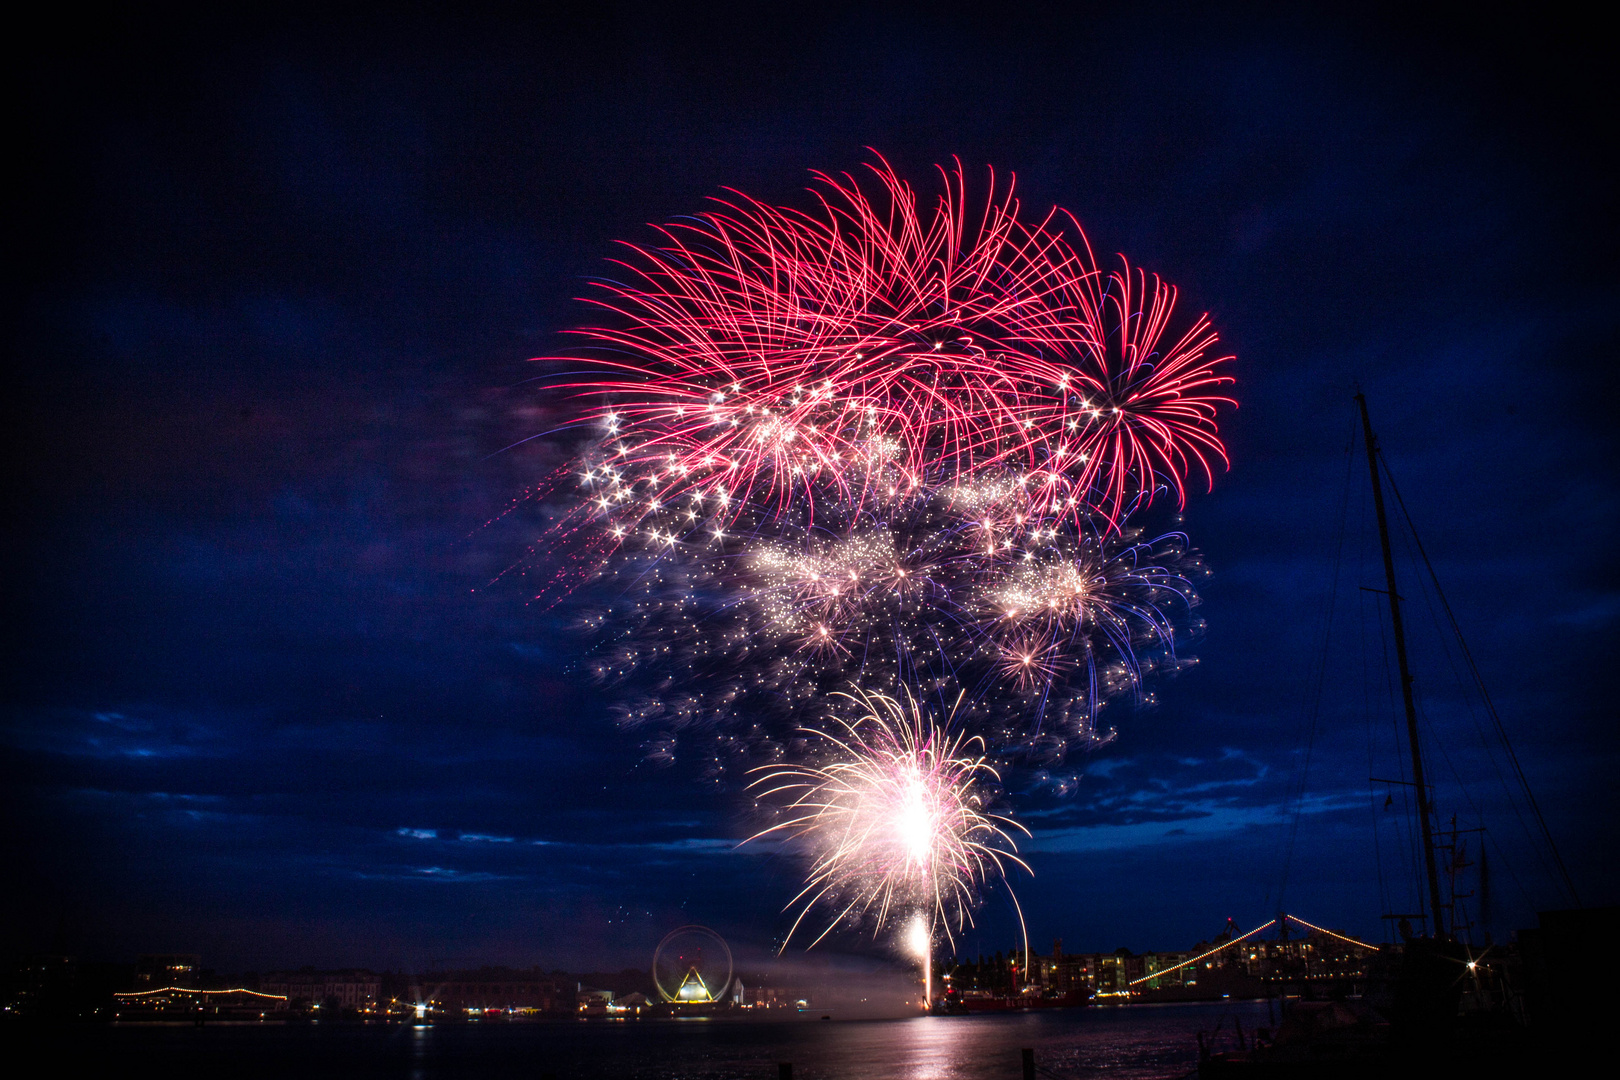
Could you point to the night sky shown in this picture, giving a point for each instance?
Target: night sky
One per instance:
(276, 287)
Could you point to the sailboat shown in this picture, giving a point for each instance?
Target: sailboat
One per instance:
(1411, 1021)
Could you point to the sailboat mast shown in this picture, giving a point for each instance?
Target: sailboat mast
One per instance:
(1406, 670)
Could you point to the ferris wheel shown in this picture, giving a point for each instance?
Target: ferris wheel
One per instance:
(692, 966)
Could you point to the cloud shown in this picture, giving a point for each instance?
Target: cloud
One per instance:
(1204, 821)
(434, 874)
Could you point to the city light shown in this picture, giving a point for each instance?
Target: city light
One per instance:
(187, 990)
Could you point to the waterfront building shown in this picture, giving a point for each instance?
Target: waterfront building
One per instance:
(493, 990)
(1211, 970)
(153, 971)
(348, 990)
(190, 1003)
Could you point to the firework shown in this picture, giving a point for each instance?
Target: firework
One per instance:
(920, 940)
(882, 444)
(895, 444)
(895, 812)
(733, 646)
(766, 356)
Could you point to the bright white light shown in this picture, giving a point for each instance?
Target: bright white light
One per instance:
(918, 939)
(915, 822)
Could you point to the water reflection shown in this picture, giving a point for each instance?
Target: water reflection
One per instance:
(1121, 1043)
(1124, 1043)
(1133, 1043)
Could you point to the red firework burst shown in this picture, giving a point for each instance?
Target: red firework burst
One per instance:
(761, 354)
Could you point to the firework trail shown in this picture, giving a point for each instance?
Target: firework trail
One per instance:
(894, 812)
(764, 356)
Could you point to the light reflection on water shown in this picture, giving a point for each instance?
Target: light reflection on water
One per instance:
(1131, 1043)
(1128, 1043)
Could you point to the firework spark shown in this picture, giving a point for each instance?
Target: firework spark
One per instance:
(920, 940)
(896, 814)
(738, 644)
(766, 355)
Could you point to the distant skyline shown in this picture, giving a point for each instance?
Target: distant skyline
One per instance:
(277, 286)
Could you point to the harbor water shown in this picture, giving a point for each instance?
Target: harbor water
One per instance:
(1130, 1043)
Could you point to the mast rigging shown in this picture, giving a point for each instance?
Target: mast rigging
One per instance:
(1419, 784)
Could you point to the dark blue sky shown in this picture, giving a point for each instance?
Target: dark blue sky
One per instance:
(275, 287)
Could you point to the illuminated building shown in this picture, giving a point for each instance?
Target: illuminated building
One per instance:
(351, 990)
(153, 970)
(190, 1003)
(491, 990)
